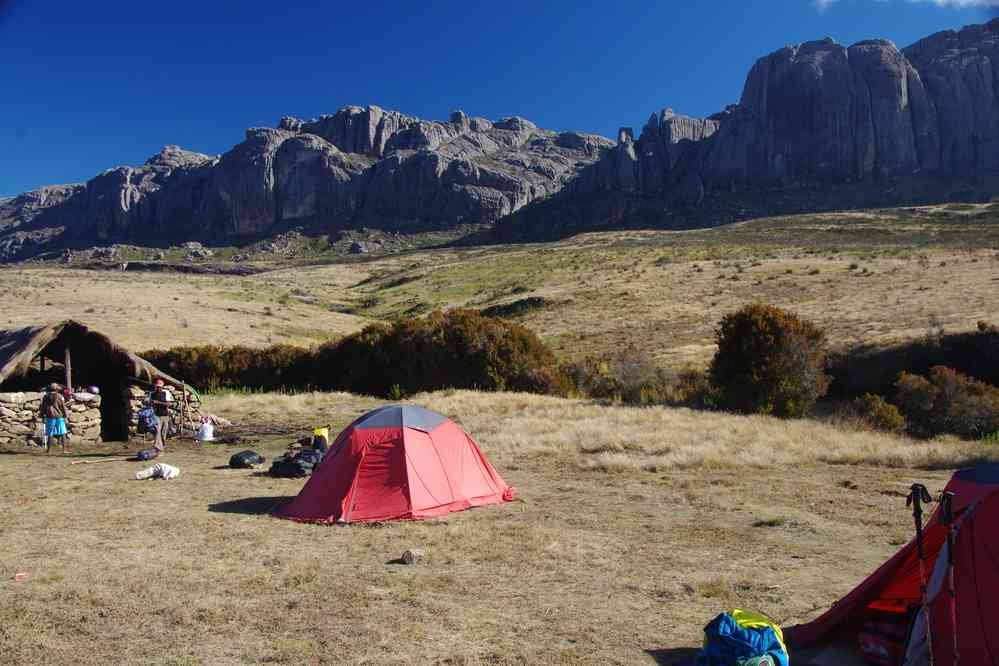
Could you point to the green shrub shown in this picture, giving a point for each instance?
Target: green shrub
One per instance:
(211, 367)
(457, 349)
(878, 413)
(948, 402)
(454, 349)
(769, 361)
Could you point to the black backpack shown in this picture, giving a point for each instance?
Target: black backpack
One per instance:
(309, 457)
(289, 468)
(147, 454)
(246, 459)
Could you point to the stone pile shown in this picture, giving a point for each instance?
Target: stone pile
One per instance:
(20, 422)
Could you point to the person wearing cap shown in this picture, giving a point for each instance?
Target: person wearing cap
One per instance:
(161, 398)
(53, 410)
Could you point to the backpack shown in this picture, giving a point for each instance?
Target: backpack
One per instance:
(148, 421)
(286, 468)
(297, 466)
(309, 457)
(147, 454)
(246, 459)
(882, 640)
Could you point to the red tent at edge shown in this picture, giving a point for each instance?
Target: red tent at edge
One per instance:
(894, 589)
(399, 462)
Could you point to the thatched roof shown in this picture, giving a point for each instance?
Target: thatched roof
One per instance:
(20, 346)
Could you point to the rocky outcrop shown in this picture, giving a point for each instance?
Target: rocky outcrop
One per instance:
(357, 167)
(813, 115)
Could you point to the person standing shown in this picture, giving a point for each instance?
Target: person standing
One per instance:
(53, 410)
(161, 398)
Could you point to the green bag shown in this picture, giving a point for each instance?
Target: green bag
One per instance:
(765, 660)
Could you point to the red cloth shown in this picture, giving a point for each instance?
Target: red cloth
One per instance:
(397, 473)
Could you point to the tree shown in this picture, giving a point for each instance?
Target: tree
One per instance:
(769, 361)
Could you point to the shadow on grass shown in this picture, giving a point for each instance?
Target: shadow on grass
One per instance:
(253, 506)
(673, 656)
(57, 454)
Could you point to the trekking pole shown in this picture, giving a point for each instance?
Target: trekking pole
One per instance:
(917, 495)
(947, 518)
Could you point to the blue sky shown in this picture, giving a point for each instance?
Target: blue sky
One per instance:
(91, 85)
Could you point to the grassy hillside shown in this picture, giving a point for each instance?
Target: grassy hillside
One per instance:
(874, 276)
(633, 528)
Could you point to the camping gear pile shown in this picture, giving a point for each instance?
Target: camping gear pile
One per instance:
(936, 601)
(743, 638)
(302, 457)
(399, 462)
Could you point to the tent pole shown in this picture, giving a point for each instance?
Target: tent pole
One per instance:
(69, 369)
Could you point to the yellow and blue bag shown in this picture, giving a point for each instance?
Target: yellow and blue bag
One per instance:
(739, 637)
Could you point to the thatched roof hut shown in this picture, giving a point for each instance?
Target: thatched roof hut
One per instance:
(20, 347)
(80, 357)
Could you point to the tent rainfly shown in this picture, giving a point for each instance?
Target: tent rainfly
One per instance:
(399, 462)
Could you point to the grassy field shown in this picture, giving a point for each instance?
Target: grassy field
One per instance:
(633, 527)
(875, 276)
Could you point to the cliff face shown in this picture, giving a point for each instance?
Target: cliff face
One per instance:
(821, 113)
(360, 166)
(812, 115)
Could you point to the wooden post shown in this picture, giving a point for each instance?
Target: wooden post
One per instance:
(69, 369)
(187, 412)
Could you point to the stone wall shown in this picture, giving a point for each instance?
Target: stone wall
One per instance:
(137, 397)
(20, 422)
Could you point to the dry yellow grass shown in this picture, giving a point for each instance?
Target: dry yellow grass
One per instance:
(158, 310)
(596, 563)
(874, 276)
(613, 438)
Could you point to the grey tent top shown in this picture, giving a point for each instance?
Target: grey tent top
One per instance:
(400, 416)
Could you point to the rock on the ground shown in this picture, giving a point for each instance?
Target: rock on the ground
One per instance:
(413, 555)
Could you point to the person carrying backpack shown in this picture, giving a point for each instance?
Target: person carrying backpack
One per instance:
(160, 399)
(53, 410)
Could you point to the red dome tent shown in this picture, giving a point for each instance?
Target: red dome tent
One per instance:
(895, 587)
(399, 462)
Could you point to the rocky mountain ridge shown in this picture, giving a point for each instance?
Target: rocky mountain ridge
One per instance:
(358, 167)
(811, 117)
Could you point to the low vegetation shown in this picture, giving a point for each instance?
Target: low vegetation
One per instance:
(945, 401)
(875, 369)
(769, 361)
(456, 349)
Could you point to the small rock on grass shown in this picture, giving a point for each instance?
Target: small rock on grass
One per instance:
(412, 556)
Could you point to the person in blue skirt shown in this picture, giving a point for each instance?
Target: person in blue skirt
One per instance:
(53, 410)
